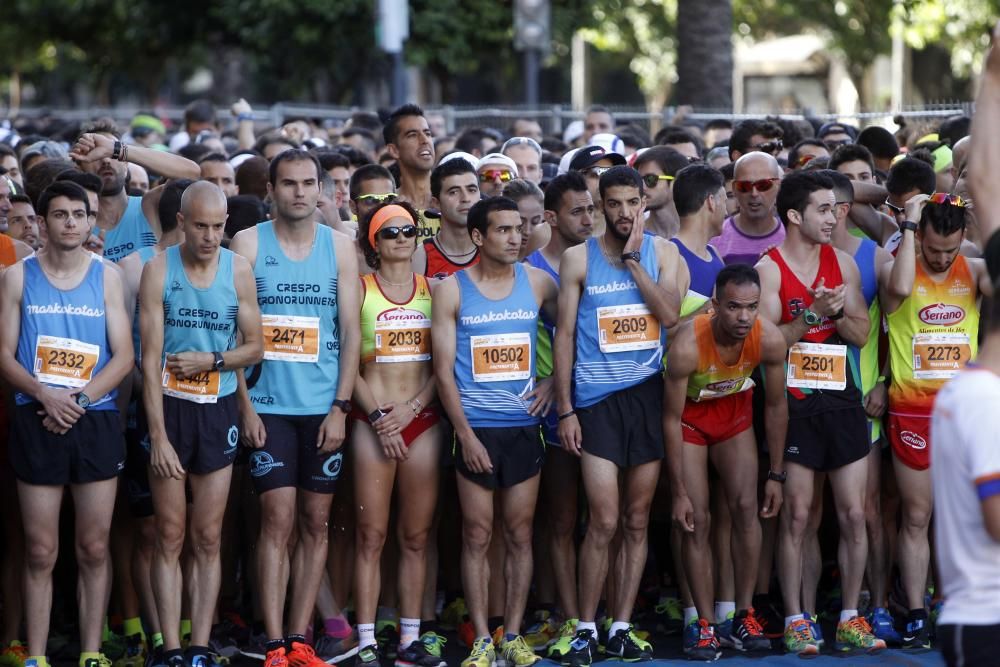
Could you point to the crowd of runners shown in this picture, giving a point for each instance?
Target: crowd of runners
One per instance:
(331, 394)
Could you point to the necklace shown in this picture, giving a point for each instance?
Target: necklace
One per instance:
(437, 242)
(389, 282)
(614, 261)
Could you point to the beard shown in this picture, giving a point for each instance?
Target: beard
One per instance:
(110, 188)
(613, 229)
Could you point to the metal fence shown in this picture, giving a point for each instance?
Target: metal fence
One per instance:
(553, 118)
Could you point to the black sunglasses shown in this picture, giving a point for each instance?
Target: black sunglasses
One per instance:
(898, 210)
(389, 233)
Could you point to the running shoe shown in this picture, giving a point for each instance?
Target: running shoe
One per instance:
(368, 657)
(856, 635)
(135, 652)
(387, 636)
(799, 639)
(100, 661)
(542, 633)
(113, 646)
(155, 657)
(255, 646)
(204, 660)
(917, 635)
(332, 650)
(771, 621)
(626, 645)
(884, 627)
(517, 653)
(14, 654)
(724, 630)
(483, 654)
(425, 652)
(816, 630)
(276, 658)
(669, 616)
(581, 650)
(454, 614)
(560, 646)
(746, 634)
(303, 655)
(466, 633)
(700, 642)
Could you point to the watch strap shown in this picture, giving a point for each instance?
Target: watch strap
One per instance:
(345, 406)
(634, 255)
(908, 225)
(217, 361)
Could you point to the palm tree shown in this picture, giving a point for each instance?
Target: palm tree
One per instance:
(705, 53)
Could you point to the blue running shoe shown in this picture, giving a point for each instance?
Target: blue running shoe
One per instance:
(817, 632)
(884, 627)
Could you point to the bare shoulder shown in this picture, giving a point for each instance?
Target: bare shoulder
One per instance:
(245, 243)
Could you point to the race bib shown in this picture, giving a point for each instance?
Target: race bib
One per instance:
(629, 327)
(501, 357)
(65, 362)
(402, 340)
(291, 338)
(817, 366)
(939, 356)
(202, 388)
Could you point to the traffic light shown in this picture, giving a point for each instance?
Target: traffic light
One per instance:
(531, 25)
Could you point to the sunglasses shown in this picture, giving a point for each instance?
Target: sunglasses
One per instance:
(944, 197)
(772, 147)
(389, 196)
(491, 175)
(596, 171)
(834, 143)
(390, 233)
(652, 179)
(762, 185)
(898, 210)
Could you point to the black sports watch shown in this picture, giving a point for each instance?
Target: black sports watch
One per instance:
(908, 225)
(778, 477)
(375, 415)
(83, 400)
(218, 362)
(345, 406)
(634, 255)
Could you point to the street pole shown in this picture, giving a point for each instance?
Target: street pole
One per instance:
(531, 77)
(399, 92)
(393, 30)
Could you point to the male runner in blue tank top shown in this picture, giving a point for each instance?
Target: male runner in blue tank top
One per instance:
(295, 412)
(484, 325)
(569, 210)
(121, 219)
(702, 212)
(194, 298)
(64, 348)
(618, 296)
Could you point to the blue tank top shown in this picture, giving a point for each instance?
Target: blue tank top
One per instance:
(495, 352)
(199, 319)
(298, 304)
(618, 342)
(546, 337)
(703, 273)
(130, 234)
(64, 333)
(144, 254)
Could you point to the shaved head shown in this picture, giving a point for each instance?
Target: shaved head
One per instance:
(757, 162)
(202, 196)
(960, 152)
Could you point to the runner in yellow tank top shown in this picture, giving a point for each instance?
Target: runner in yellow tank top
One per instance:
(931, 305)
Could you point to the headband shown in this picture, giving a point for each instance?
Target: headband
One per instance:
(384, 215)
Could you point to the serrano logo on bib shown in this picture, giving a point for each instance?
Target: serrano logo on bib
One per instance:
(913, 440)
(942, 314)
(400, 314)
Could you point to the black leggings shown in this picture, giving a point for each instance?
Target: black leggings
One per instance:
(969, 645)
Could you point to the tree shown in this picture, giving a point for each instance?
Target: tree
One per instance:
(705, 53)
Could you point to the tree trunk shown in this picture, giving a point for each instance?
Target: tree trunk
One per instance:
(705, 54)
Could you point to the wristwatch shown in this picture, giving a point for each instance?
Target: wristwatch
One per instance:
(778, 477)
(345, 406)
(908, 225)
(838, 315)
(811, 318)
(375, 415)
(218, 362)
(635, 255)
(83, 400)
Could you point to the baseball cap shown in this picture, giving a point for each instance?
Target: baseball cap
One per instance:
(573, 131)
(497, 159)
(609, 142)
(144, 123)
(837, 128)
(47, 149)
(588, 156)
(468, 157)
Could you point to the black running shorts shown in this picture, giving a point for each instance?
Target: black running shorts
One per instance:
(626, 428)
(92, 451)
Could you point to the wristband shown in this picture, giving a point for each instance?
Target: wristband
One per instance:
(116, 151)
(244, 116)
(908, 225)
(567, 415)
(837, 315)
